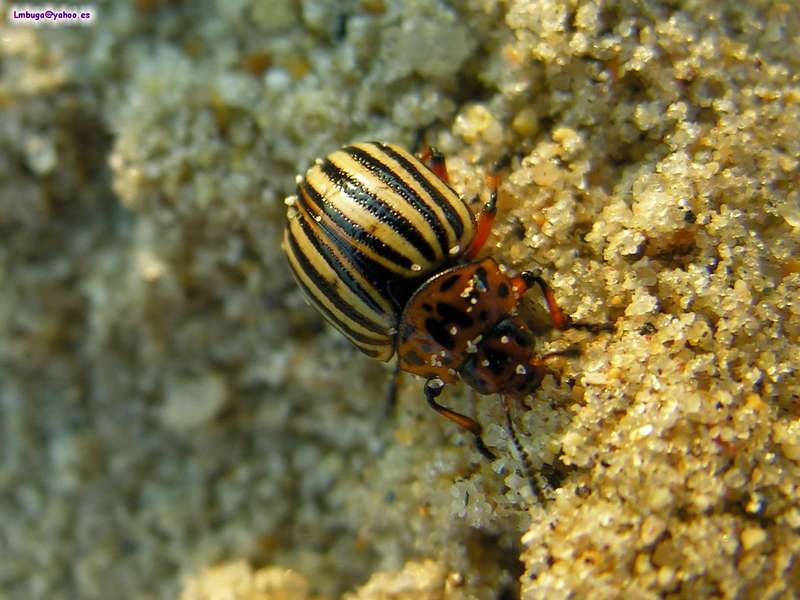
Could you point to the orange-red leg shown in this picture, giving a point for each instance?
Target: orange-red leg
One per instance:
(560, 320)
(436, 162)
(523, 282)
(485, 220)
(433, 388)
(489, 210)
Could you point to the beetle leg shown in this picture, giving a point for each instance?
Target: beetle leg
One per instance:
(489, 210)
(485, 221)
(436, 162)
(433, 388)
(560, 320)
(391, 393)
(523, 282)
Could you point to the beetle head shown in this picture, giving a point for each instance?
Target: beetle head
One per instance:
(502, 362)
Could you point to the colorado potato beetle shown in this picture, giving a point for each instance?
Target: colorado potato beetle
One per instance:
(386, 251)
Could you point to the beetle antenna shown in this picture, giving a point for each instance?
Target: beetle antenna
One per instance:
(536, 486)
(591, 327)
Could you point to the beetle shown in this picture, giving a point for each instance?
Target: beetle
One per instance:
(387, 251)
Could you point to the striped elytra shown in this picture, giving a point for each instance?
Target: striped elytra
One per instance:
(368, 225)
(386, 251)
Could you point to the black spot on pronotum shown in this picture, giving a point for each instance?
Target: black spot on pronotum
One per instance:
(427, 307)
(449, 282)
(412, 358)
(502, 290)
(407, 331)
(484, 315)
(439, 333)
(480, 274)
(453, 315)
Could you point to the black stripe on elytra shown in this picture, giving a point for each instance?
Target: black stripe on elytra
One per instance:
(361, 341)
(382, 211)
(326, 290)
(387, 176)
(435, 194)
(374, 272)
(412, 358)
(341, 271)
(350, 229)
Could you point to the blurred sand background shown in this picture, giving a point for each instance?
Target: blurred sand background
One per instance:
(176, 422)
